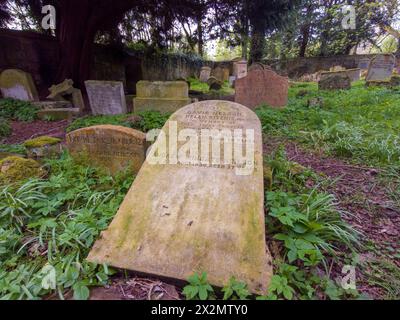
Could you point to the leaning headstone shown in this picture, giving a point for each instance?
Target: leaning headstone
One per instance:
(113, 148)
(187, 213)
(381, 68)
(106, 97)
(65, 91)
(205, 73)
(162, 96)
(334, 81)
(221, 73)
(17, 84)
(353, 74)
(240, 69)
(214, 83)
(262, 86)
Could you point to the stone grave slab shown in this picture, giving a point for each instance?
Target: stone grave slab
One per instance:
(381, 68)
(190, 211)
(162, 96)
(113, 148)
(106, 97)
(262, 86)
(221, 73)
(17, 84)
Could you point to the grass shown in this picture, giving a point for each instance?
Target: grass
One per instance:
(197, 85)
(361, 124)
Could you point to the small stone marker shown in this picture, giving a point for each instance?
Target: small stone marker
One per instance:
(381, 68)
(113, 148)
(240, 69)
(262, 85)
(17, 84)
(221, 73)
(205, 73)
(197, 216)
(214, 84)
(334, 81)
(162, 96)
(106, 97)
(353, 74)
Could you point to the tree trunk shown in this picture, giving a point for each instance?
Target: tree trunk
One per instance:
(76, 36)
(257, 42)
(200, 34)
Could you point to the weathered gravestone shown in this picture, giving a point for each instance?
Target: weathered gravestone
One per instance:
(262, 85)
(240, 69)
(381, 68)
(65, 91)
(113, 148)
(205, 73)
(17, 84)
(162, 96)
(185, 213)
(334, 81)
(221, 73)
(353, 74)
(106, 97)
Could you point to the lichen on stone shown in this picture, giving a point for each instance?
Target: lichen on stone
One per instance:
(41, 142)
(13, 169)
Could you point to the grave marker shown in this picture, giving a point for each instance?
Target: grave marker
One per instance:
(162, 96)
(113, 148)
(262, 86)
(192, 213)
(381, 68)
(106, 97)
(17, 84)
(205, 73)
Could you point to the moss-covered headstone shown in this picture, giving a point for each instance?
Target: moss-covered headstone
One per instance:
(197, 203)
(113, 148)
(17, 84)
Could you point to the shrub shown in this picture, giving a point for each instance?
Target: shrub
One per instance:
(5, 128)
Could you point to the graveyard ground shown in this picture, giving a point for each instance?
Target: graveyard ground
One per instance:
(332, 199)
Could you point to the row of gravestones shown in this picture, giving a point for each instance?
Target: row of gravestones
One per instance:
(222, 74)
(260, 85)
(380, 70)
(172, 222)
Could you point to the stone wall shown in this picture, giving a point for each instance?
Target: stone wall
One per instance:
(297, 67)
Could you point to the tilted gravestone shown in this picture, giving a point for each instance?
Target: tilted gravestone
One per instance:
(196, 205)
(205, 73)
(113, 148)
(17, 84)
(65, 91)
(334, 81)
(381, 68)
(262, 86)
(106, 97)
(162, 96)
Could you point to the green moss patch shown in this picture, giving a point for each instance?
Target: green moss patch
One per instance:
(41, 142)
(13, 169)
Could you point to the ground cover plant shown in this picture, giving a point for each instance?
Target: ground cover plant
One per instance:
(49, 225)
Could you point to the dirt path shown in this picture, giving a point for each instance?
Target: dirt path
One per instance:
(360, 192)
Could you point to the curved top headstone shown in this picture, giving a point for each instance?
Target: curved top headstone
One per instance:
(18, 84)
(197, 203)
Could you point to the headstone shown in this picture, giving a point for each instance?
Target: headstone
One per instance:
(334, 81)
(258, 66)
(381, 68)
(113, 148)
(363, 64)
(221, 73)
(232, 80)
(240, 69)
(262, 86)
(185, 214)
(106, 97)
(205, 73)
(353, 74)
(17, 84)
(65, 91)
(162, 96)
